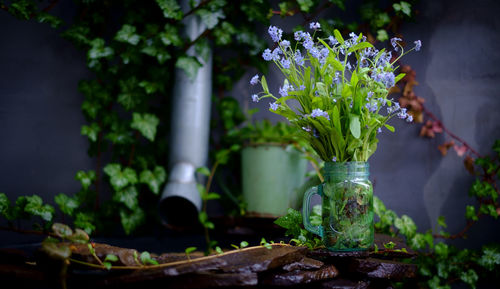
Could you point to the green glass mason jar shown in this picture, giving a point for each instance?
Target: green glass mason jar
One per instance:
(347, 207)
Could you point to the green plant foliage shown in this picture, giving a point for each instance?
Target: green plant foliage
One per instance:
(292, 222)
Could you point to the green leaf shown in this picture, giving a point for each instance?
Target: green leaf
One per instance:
(128, 197)
(127, 34)
(98, 49)
(4, 204)
(91, 131)
(130, 221)
(203, 170)
(243, 244)
(190, 250)
(338, 36)
(146, 124)
(170, 36)
(382, 35)
(389, 127)
(154, 179)
(389, 245)
(403, 7)
(67, 205)
(170, 8)
(146, 259)
(490, 257)
(406, 226)
(35, 207)
(470, 277)
(84, 222)
(305, 5)
(111, 258)
(52, 20)
(117, 178)
(210, 18)
(212, 196)
(62, 230)
(355, 126)
(85, 178)
(441, 249)
(264, 84)
(470, 213)
(292, 221)
(107, 265)
(202, 49)
(441, 221)
(190, 65)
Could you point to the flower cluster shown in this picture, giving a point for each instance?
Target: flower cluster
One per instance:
(341, 86)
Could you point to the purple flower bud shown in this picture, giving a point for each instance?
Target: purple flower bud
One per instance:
(299, 59)
(285, 44)
(273, 106)
(254, 80)
(267, 55)
(418, 45)
(409, 118)
(379, 130)
(275, 33)
(285, 62)
(317, 112)
(255, 98)
(314, 25)
(394, 42)
(298, 35)
(353, 35)
(334, 159)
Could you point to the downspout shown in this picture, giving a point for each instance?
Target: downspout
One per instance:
(180, 201)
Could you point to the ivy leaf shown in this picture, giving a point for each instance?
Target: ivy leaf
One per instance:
(130, 221)
(210, 18)
(52, 20)
(84, 221)
(406, 226)
(91, 131)
(146, 124)
(128, 197)
(85, 178)
(35, 207)
(490, 257)
(66, 204)
(190, 65)
(99, 50)
(202, 49)
(223, 34)
(403, 7)
(441, 221)
(170, 9)
(107, 265)
(120, 179)
(154, 179)
(127, 34)
(470, 213)
(243, 244)
(4, 204)
(441, 250)
(470, 277)
(305, 5)
(382, 35)
(170, 36)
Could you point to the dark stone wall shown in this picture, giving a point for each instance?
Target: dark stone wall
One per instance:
(41, 148)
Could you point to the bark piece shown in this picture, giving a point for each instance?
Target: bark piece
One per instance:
(381, 239)
(211, 280)
(300, 276)
(325, 254)
(125, 256)
(384, 269)
(304, 264)
(344, 284)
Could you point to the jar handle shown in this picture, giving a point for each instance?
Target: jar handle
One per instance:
(306, 211)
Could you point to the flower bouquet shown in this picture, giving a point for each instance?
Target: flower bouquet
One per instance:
(336, 91)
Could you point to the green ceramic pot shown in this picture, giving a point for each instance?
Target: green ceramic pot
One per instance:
(272, 179)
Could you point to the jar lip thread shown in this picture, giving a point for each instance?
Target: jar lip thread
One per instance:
(359, 169)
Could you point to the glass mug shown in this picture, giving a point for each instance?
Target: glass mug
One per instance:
(346, 207)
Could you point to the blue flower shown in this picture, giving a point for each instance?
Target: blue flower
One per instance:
(254, 80)
(255, 98)
(283, 91)
(314, 25)
(315, 52)
(370, 94)
(285, 44)
(267, 55)
(302, 87)
(276, 54)
(298, 35)
(273, 106)
(332, 40)
(275, 33)
(379, 130)
(394, 42)
(317, 112)
(409, 118)
(285, 62)
(299, 59)
(306, 129)
(334, 159)
(418, 45)
(308, 43)
(353, 35)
